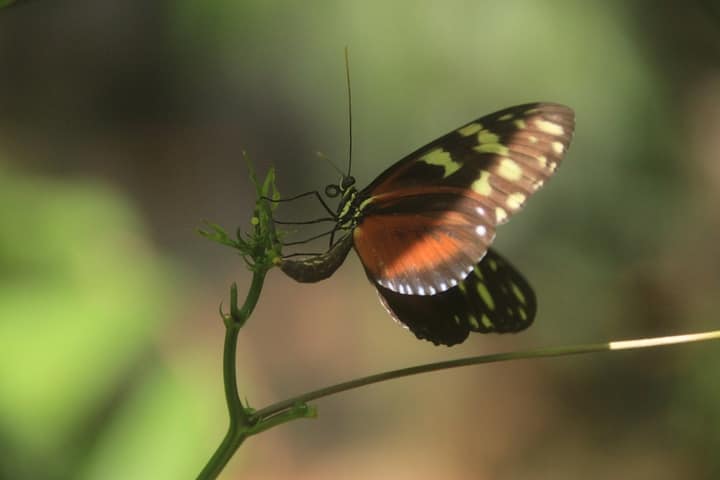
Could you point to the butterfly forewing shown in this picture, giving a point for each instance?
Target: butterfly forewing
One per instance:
(494, 297)
(425, 221)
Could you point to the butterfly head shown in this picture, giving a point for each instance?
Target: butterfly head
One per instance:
(345, 185)
(347, 192)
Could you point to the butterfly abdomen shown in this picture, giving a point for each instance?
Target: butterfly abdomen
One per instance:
(318, 267)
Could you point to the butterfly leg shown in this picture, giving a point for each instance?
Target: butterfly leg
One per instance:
(315, 237)
(307, 222)
(303, 195)
(332, 237)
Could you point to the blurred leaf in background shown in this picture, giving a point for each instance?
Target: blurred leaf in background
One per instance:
(81, 299)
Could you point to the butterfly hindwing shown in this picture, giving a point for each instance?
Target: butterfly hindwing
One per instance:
(493, 298)
(426, 220)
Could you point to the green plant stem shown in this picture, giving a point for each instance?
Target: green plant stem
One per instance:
(240, 418)
(284, 405)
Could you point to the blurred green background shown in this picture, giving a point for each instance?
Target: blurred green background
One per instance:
(121, 129)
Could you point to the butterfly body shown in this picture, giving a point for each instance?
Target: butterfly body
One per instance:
(423, 227)
(318, 267)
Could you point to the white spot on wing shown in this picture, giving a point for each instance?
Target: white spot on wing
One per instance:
(515, 200)
(549, 127)
(509, 169)
(481, 230)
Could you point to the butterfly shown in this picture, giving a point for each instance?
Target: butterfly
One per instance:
(423, 228)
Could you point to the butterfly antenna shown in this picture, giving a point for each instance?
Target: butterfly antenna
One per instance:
(349, 97)
(322, 156)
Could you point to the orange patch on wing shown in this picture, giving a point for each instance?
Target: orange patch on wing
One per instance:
(394, 246)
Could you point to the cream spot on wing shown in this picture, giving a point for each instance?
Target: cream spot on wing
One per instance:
(477, 272)
(469, 129)
(482, 184)
(441, 158)
(542, 160)
(507, 116)
(518, 293)
(485, 296)
(486, 136)
(520, 124)
(549, 127)
(500, 215)
(509, 170)
(515, 200)
(498, 148)
(533, 139)
(558, 147)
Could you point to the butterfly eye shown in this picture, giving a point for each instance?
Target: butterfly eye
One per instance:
(347, 182)
(332, 191)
